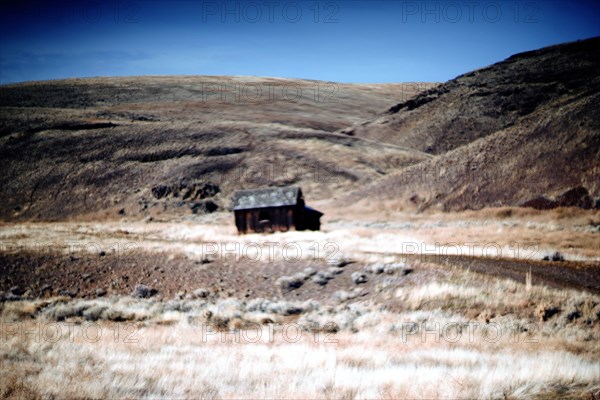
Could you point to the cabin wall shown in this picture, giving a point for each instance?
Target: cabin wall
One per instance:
(307, 219)
(269, 219)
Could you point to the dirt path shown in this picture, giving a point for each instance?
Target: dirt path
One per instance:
(571, 274)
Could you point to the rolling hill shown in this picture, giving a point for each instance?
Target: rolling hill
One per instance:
(501, 135)
(146, 146)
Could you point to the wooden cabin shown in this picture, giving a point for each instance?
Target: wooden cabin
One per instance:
(273, 209)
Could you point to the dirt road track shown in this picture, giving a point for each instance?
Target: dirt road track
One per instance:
(569, 274)
(84, 275)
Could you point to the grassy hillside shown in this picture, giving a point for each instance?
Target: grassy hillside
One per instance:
(504, 134)
(147, 146)
(98, 147)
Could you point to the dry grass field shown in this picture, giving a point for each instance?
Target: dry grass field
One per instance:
(454, 338)
(231, 325)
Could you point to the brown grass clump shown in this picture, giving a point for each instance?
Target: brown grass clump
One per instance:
(545, 311)
(16, 311)
(14, 386)
(505, 212)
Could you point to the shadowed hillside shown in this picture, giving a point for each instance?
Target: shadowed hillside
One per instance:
(522, 128)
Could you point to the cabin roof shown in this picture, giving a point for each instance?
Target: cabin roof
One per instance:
(267, 197)
(312, 210)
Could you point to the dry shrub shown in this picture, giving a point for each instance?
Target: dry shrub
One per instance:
(322, 277)
(594, 222)
(219, 323)
(486, 316)
(143, 292)
(20, 310)
(289, 283)
(209, 392)
(15, 386)
(117, 315)
(584, 311)
(568, 212)
(355, 361)
(499, 213)
(504, 212)
(63, 311)
(94, 313)
(556, 256)
(545, 311)
(345, 393)
(590, 310)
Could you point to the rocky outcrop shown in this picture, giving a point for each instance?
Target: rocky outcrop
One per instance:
(576, 197)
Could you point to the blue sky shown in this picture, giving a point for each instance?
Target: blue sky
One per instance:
(345, 41)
